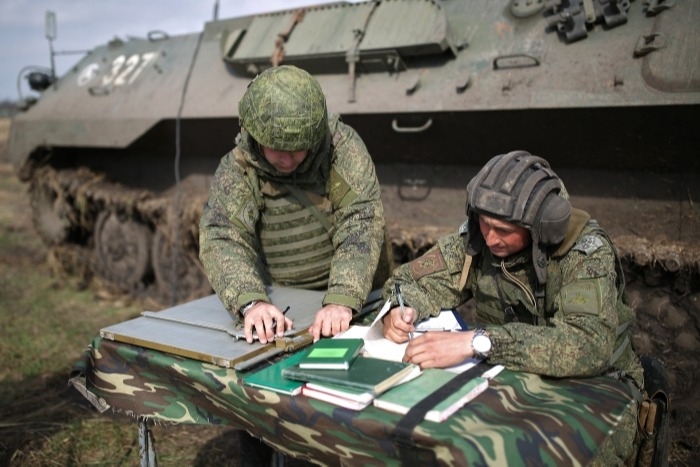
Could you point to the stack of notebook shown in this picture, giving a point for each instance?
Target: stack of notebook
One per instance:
(331, 370)
(356, 387)
(334, 371)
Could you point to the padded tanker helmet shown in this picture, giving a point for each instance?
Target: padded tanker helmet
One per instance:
(284, 108)
(521, 188)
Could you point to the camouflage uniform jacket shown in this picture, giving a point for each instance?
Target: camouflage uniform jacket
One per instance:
(340, 173)
(582, 330)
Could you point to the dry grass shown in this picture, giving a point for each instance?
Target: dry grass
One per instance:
(46, 321)
(4, 134)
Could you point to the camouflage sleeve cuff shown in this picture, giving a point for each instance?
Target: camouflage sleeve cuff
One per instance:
(344, 300)
(246, 298)
(500, 339)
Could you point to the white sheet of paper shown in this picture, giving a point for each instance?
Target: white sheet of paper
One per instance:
(378, 346)
(445, 321)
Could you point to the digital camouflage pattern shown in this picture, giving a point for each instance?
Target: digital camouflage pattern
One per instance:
(581, 305)
(521, 419)
(284, 108)
(576, 335)
(234, 218)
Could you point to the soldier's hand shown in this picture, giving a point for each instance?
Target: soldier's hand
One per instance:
(439, 349)
(330, 320)
(397, 326)
(267, 320)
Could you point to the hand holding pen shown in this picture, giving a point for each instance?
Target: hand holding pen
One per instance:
(402, 306)
(399, 297)
(261, 323)
(284, 312)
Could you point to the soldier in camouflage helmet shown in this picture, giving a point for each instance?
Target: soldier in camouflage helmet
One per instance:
(295, 203)
(546, 282)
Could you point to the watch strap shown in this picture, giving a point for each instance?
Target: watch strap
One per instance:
(248, 306)
(478, 354)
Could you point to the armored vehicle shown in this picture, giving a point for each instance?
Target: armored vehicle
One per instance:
(120, 150)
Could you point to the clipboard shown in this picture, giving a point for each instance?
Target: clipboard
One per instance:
(204, 330)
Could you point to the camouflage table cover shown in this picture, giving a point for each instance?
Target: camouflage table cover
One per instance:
(521, 419)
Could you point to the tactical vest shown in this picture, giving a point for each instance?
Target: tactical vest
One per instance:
(296, 226)
(581, 228)
(580, 221)
(296, 246)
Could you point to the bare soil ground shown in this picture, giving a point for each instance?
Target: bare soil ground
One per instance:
(665, 294)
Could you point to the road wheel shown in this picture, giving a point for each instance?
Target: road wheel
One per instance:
(187, 279)
(123, 249)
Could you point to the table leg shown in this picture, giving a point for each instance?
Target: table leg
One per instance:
(147, 448)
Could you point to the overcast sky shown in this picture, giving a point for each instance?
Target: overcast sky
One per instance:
(85, 24)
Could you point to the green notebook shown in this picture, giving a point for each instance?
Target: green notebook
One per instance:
(271, 377)
(369, 374)
(350, 398)
(401, 398)
(332, 354)
(345, 392)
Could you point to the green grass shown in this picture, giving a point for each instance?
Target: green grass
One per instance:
(47, 328)
(46, 322)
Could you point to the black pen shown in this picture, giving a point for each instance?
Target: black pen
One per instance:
(424, 330)
(399, 297)
(284, 312)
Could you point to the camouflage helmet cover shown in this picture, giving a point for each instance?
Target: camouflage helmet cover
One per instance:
(284, 108)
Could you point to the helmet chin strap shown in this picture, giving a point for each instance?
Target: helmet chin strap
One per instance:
(474, 244)
(315, 167)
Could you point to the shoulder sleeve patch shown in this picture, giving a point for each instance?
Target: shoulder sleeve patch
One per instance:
(581, 297)
(246, 215)
(427, 264)
(339, 191)
(588, 244)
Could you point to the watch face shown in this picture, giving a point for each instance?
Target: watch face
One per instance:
(482, 344)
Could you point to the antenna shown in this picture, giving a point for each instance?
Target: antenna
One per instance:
(50, 28)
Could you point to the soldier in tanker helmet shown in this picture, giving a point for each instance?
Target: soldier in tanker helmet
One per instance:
(546, 281)
(295, 203)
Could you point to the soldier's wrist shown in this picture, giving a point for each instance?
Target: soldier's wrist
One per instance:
(245, 308)
(481, 344)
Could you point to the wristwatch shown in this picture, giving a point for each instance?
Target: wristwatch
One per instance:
(481, 343)
(248, 306)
